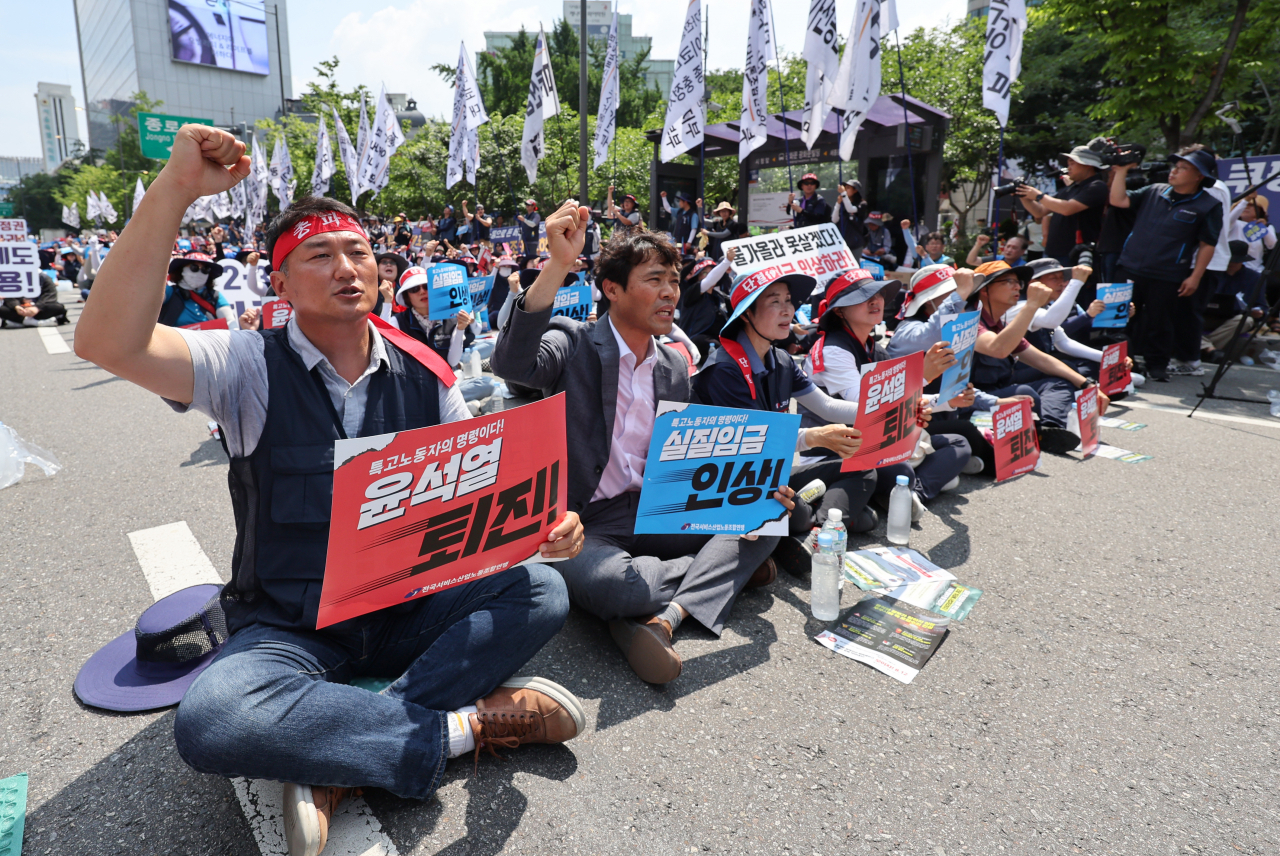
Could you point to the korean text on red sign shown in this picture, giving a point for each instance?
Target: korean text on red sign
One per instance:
(419, 511)
(1014, 438)
(888, 404)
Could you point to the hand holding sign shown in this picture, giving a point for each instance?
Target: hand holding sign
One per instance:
(960, 333)
(888, 412)
(1115, 296)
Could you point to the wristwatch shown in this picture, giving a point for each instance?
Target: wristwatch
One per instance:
(1088, 382)
(1041, 196)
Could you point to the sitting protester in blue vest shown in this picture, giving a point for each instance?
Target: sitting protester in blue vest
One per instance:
(750, 371)
(854, 305)
(274, 703)
(448, 337)
(190, 296)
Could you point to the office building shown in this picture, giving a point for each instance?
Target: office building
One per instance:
(59, 132)
(14, 169)
(657, 72)
(225, 62)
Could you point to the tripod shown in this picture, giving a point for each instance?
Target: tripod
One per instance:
(1235, 348)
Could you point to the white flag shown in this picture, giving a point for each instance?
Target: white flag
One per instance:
(822, 54)
(138, 192)
(473, 154)
(542, 104)
(91, 209)
(686, 114)
(857, 84)
(385, 136)
(348, 154)
(236, 193)
(282, 180)
(1006, 22)
(362, 146)
(457, 166)
(104, 205)
(607, 112)
(323, 169)
(255, 189)
(220, 205)
(753, 125)
(71, 216)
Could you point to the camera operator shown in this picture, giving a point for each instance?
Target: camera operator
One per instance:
(1076, 209)
(1176, 224)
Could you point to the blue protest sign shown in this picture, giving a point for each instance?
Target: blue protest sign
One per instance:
(574, 301)
(447, 291)
(804, 314)
(713, 470)
(876, 269)
(480, 288)
(509, 235)
(961, 332)
(1117, 296)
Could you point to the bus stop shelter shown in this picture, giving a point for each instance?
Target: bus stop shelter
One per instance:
(769, 173)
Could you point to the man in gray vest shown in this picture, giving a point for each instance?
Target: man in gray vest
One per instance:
(275, 703)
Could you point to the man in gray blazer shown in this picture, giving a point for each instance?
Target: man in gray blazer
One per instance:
(614, 372)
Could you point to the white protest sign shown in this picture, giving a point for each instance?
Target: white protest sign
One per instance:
(234, 285)
(19, 267)
(13, 229)
(817, 251)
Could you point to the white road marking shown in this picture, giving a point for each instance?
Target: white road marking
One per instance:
(53, 341)
(1204, 414)
(172, 560)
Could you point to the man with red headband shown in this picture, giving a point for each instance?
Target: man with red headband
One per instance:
(274, 704)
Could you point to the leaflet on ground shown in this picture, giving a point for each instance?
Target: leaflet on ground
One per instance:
(887, 634)
(909, 577)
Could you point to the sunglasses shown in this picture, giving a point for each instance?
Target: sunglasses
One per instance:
(413, 289)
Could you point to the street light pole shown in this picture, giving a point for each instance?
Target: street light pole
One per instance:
(582, 103)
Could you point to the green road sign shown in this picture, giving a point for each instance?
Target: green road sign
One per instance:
(6, 209)
(156, 132)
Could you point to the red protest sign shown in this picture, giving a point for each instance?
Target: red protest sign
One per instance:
(276, 314)
(888, 400)
(1087, 411)
(428, 509)
(1014, 438)
(215, 324)
(1113, 373)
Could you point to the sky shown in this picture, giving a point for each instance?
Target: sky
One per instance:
(397, 44)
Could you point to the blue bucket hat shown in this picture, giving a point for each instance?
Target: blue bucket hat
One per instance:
(749, 287)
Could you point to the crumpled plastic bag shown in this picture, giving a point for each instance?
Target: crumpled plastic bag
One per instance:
(16, 453)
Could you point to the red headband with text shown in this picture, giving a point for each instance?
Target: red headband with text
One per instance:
(307, 227)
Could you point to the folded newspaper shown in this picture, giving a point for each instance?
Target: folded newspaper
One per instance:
(907, 576)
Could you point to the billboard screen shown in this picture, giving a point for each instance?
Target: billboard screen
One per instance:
(228, 34)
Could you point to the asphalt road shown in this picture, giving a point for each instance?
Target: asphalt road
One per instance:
(1111, 692)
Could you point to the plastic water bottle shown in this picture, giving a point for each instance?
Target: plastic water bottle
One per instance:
(898, 530)
(824, 581)
(1274, 397)
(466, 363)
(474, 362)
(835, 525)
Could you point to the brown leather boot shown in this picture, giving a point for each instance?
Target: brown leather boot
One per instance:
(308, 811)
(526, 710)
(765, 574)
(647, 646)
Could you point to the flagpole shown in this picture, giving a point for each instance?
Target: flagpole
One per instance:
(782, 98)
(906, 133)
(702, 150)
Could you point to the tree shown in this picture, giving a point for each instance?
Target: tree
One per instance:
(1170, 64)
(105, 178)
(34, 198)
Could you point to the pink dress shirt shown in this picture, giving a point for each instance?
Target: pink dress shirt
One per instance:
(632, 422)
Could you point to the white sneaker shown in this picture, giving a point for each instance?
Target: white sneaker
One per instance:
(952, 485)
(1136, 379)
(974, 466)
(917, 507)
(1184, 369)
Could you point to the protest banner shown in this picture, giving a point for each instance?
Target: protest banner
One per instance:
(419, 511)
(19, 269)
(888, 401)
(211, 324)
(874, 268)
(817, 251)
(1117, 296)
(1087, 414)
(276, 314)
(13, 230)
(961, 333)
(1014, 438)
(888, 635)
(233, 283)
(1113, 372)
(447, 291)
(713, 470)
(480, 287)
(574, 301)
(509, 236)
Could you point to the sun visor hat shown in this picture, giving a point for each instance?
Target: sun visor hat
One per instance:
(748, 288)
(850, 289)
(411, 277)
(173, 641)
(930, 282)
(176, 265)
(987, 273)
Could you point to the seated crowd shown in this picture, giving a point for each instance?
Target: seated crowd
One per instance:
(276, 702)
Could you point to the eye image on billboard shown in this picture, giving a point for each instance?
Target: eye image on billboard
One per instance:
(223, 33)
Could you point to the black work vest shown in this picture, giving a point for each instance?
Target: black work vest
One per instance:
(440, 337)
(282, 491)
(1165, 236)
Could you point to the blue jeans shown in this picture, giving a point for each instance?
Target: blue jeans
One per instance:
(275, 704)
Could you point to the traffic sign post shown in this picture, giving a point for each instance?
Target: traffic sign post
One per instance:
(156, 132)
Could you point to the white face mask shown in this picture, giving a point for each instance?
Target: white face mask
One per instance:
(193, 281)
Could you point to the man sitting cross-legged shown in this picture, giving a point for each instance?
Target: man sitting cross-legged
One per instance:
(614, 373)
(275, 703)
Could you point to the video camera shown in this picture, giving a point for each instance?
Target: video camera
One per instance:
(1117, 154)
